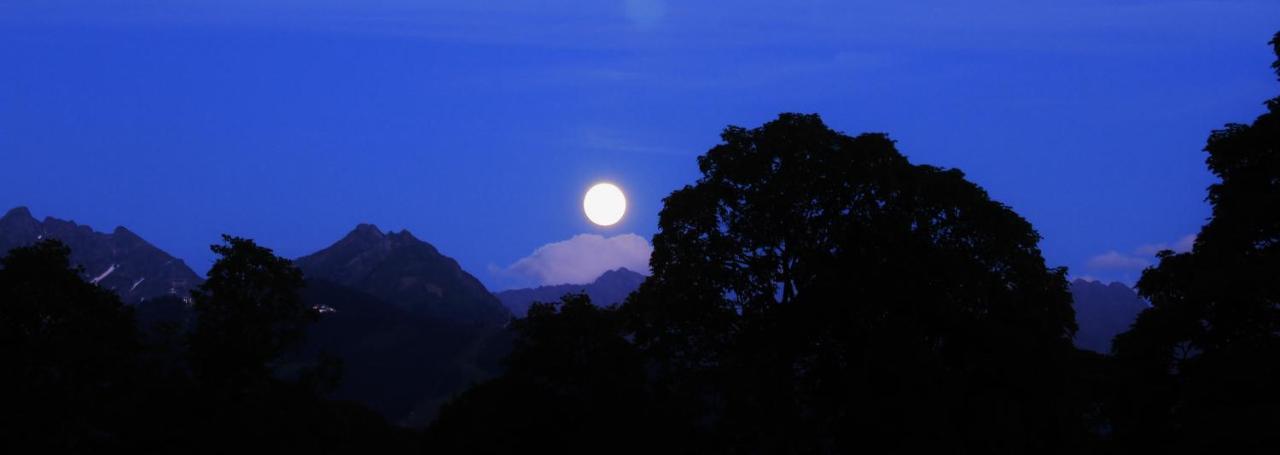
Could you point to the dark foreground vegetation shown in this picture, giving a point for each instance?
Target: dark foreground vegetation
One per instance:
(812, 292)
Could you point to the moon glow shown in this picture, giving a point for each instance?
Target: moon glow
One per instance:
(604, 204)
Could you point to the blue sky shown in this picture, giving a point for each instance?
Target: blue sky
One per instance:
(477, 125)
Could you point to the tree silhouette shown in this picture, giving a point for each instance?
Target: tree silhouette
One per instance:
(573, 385)
(79, 376)
(1198, 370)
(248, 312)
(811, 293)
(831, 294)
(68, 349)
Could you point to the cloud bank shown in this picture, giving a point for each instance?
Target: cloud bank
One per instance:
(1183, 245)
(582, 258)
(1114, 260)
(1123, 266)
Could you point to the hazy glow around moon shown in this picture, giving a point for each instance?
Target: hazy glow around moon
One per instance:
(604, 204)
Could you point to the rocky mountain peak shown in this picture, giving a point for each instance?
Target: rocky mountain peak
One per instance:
(366, 231)
(403, 270)
(611, 287)
(120, 261)
(1103, 311)
(17, 213)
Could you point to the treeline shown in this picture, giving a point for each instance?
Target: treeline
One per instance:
(812, 292)
(81, 373)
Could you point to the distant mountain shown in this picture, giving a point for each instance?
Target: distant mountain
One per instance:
(612, 287)
(1103, 311)
(401, 364)
(411, 327)
(120, 261)
(398, 268)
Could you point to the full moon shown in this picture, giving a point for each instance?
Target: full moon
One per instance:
(604, 204)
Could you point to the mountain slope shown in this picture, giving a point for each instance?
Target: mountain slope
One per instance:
(120, 261)
(410, 326)
(398, 363)
(1103, 311)
(610, 288)
(400, 269)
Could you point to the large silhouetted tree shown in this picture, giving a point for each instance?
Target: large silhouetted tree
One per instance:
(78, 376)
(247, 313)
(815, 292)
(1199, 370)
(67, 349)
(821, 293)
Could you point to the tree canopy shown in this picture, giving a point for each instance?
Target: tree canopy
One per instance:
(817, 292)
(68, 348)
(247, 312)
(1197, 371)
(835, 293)
(79, 376)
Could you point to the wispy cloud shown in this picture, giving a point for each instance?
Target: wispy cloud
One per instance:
(1124, 266)
(1183, 244)
(583, 258)
(1114, 260)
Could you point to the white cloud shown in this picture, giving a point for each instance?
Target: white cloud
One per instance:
(1182, 245)
(1114, 260)
(583, 258)
(1126, 267)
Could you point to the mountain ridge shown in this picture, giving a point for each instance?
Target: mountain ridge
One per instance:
(121, 260)
(1103, 310)
(404, 270)
(611, 287)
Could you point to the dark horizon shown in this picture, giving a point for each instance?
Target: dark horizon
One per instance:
(640, 226)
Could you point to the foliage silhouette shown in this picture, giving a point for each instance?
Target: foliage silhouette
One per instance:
(812, 292)
(248, 312)
(816, 292)
(1197, 371)
(836, 295)
(573, 385)
(68, 349)
(81, 377)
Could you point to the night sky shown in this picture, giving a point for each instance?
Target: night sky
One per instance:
(478, 125)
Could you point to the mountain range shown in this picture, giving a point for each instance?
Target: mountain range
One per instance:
(1103, 311)
(400, 269)
(610, 288)
(120, 260)
(411, 327)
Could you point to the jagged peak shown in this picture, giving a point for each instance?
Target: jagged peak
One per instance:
(20, 211)
(620, 272)
(366, 230)
(406, 234)
(406, 237)
(124, 233)
(1119, 285)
